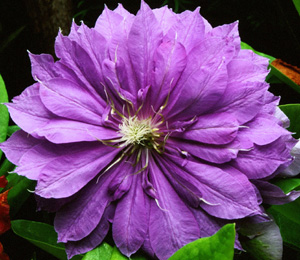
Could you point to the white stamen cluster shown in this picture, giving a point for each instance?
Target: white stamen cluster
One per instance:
(138, 132)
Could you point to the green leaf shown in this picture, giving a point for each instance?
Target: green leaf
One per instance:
(117, 255)
(293, 111)
(288, 185)
(219, 246)
(42, 235)
(11, 129)
(4, 116)
(248, 47)
(19, 192)
(103, 252)
(6, 167)
(297, 5)
(287, 219)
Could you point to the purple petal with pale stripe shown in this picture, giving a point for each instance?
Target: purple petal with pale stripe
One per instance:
(172, 224)
(130, 223)
(58, 180)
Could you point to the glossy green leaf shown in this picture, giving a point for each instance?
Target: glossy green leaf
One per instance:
(42, 235)
(288, 185)
(219, 246)
(287, 218)
(20, 188)
(4, 116)
(293, 111)
(117, 255)
(104, 252)
(11, 129)
(248, 47)
(6, 167)
(297, 5)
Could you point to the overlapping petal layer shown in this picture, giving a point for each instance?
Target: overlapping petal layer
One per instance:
(157, 126)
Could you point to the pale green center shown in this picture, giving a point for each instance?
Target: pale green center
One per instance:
(138, 132)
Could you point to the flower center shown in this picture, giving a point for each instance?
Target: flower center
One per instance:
(139, 132)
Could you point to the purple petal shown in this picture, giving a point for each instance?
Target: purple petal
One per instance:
(263, 161)
(285, 122)
(42, 66)
(243, 100)
(144, 37)
(80, 217)
(263, 129)
(228, 33)
(168, 65)
(146, 247)
(208, 225)
(203, 81)
(248, 67)
(59, 179)
(166, 18)
(67, 99)
(67, 131)
(210, 153)
(92, 240)
(117, 36)
(190, 28)
(122, 182)
(272, 194)
(113, 83)
(172, 225)
(130, 223)
(226, 194)
(108, 22)
(28, 111)
(212, 129)
(87, 72)
(17, 145)
(294, 168)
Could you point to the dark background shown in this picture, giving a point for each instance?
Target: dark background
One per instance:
(269, 26)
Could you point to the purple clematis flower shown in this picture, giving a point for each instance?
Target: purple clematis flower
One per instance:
(156, 125)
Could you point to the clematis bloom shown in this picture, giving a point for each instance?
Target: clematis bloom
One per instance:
(157, 126)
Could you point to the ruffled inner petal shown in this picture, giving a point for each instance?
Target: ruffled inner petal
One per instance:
(67, 99)
(203, 81)
(211, 153)
(211, 129)
(143, 39)
(168, 64)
